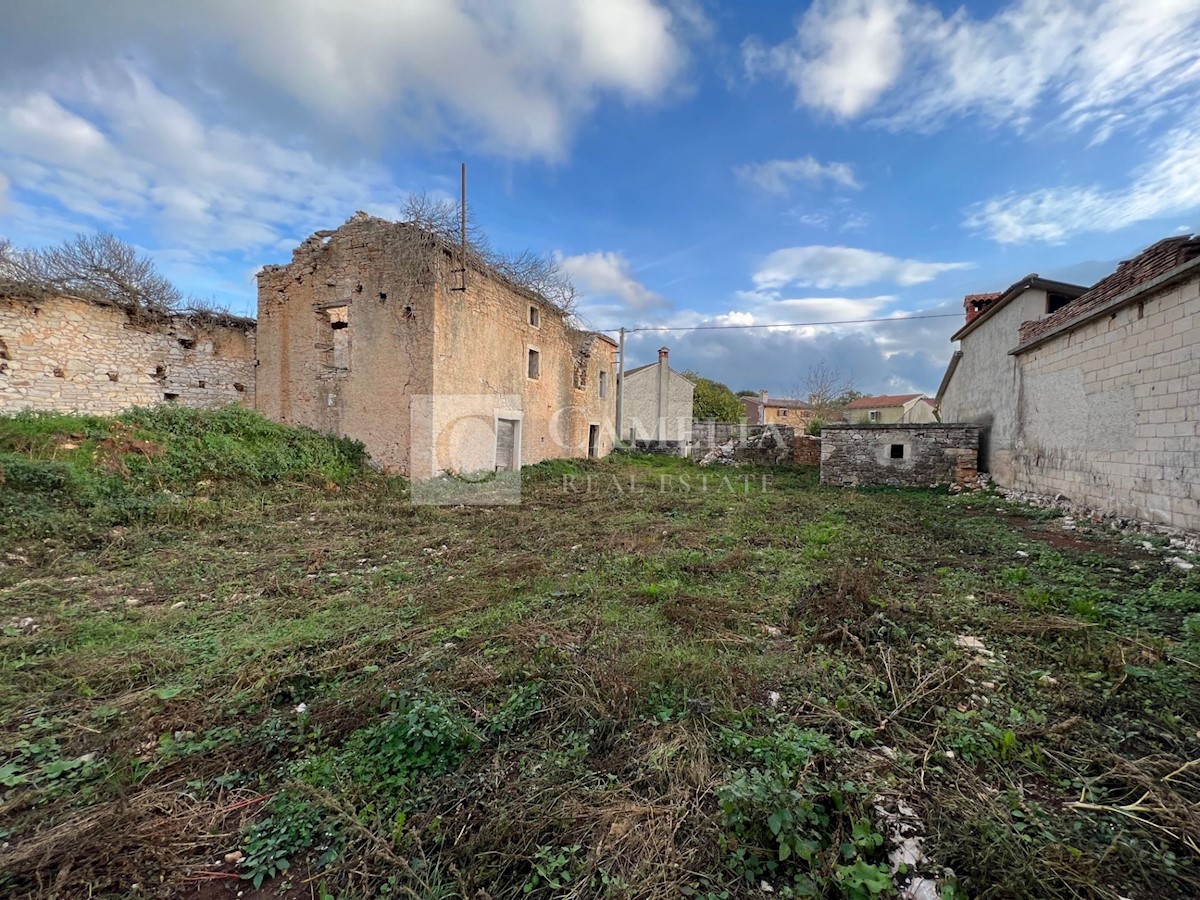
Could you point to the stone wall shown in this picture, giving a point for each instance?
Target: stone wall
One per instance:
(640, 417)
(899, 455)
(1109, 413)
(75, 356)
(352, 343)
(723, 443)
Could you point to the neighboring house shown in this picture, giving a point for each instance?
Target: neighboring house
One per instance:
(1091, 393)
(657, 403)
(368, 333)
(75, 354)
(762, 410)
(891, 409)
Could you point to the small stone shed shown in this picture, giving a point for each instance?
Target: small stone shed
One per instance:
(899, 455)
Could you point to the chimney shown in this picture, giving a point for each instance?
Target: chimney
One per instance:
(976, 305)
(663, 353)
(762, 397)
(662, 432)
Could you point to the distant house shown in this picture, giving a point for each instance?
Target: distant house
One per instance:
(891, 409)
(762, 410)
(1090, 393)
(657, 403)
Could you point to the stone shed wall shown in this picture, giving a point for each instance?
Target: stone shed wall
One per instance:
(70, 355)
(1109, 413)
(927, 455)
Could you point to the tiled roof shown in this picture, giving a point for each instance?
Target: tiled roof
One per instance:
(1147, 265)
(976, 318)
(882, 402)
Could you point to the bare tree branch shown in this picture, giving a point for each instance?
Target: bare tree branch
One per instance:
(540, 274)
(90, 266)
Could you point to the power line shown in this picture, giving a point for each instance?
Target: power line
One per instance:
(784, 324)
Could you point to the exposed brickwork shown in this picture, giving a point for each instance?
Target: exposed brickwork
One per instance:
(976, 305)
(1147, 265)
(807, 450)
(350, 340)
(72, 355)
(863, 455)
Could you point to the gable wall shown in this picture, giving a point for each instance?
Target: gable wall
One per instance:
(986, 382)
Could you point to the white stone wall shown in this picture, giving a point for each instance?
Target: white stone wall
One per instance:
(640, 412)
(1109, 414)
(69, 355)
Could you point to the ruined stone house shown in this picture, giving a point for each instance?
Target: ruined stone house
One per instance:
(367, 333)
(73, 354)
(763, 409)
(1092, 394)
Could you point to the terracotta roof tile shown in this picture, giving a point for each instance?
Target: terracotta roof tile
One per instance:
(881, 402)
(1149, 264)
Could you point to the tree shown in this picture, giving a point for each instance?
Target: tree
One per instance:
(440, 222)
(827, 390)
(92, 267)
(713, 400)
(748, 393)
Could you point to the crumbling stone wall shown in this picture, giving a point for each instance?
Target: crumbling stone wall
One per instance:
(71, 355)
(899, 455)
(351, 343)
(722, 443)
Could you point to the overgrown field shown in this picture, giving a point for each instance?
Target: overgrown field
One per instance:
(225, 637)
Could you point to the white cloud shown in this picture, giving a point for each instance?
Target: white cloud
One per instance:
(115, 150)
(846, 53)
(512, 77)
(1166, 186)
(608, 287)
(1094, 64)
(827, 267)
(778, 175)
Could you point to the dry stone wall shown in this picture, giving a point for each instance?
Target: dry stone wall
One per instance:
(899, 455)
(71, 355)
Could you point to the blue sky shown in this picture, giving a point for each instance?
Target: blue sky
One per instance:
(690, 162)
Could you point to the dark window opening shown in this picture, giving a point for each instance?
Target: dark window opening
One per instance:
(535, 360)
(603, 385)
(160, 373)
(1055, 302)
(187, 343)
(338, 326)
(897, 451)
(59, 373)
(382, 295)
(114, 376)
(535, 316)
(202, 384)
(335, 354)
(170, 398)
(409, 312)
(593, 441)
(239, 387)
(1141, 308)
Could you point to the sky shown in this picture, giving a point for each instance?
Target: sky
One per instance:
(690, 163)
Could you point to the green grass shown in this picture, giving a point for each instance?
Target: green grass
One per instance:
(220, 634)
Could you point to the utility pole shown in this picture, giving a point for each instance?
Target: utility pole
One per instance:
(621, 388)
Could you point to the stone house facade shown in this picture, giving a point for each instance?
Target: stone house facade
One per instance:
(359, 338)
(76, 355)
(657, 404)
(1097, 400)
(890, 409)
